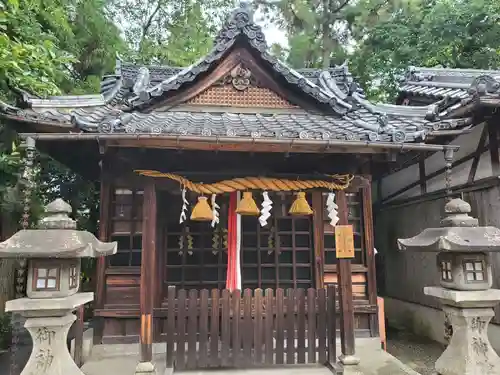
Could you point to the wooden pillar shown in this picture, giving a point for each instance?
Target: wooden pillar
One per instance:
(319, 248)
(366, 192)
(344, 276)
(148, 270)
(104, 235)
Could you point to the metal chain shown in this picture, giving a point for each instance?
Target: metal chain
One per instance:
(448, 157)
(21, 270)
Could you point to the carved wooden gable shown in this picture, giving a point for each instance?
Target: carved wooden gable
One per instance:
(240, 88)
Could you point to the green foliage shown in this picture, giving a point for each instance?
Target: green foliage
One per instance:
(175, 33)
(448, 33)
(382, 38)
(30, 58)
(46, 46)
(317, 29)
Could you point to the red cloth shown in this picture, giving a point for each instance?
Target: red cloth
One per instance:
(232, 243)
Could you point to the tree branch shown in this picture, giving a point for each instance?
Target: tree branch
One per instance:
(340, 7)
(148, 23)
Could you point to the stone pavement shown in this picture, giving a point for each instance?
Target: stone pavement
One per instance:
(122, 359)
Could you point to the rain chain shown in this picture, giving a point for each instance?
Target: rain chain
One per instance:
(17, 321)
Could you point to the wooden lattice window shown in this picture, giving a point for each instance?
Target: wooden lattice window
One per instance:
(195, 253)
(73, 277)
(279, 255)
(196, 257)
(126, 227)
(46, 277)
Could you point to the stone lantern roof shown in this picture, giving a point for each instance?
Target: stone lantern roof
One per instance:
(459, 232)
(57, 237)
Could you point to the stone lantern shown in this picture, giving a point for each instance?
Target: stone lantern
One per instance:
(54, 253)
(465, 276)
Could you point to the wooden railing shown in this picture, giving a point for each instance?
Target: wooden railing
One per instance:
(228, 329)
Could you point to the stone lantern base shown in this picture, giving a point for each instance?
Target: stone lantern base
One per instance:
(50, 352)
(469, 351)
(48, 321)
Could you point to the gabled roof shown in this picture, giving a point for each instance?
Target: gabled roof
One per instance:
(124, 104)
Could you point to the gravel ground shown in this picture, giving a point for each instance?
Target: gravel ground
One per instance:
(420, 354)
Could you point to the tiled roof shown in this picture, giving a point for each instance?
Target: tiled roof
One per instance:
(360, 125)
(120, 85)
(124, 94)
(439, 83)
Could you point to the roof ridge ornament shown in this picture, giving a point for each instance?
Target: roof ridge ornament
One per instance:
(485, 85)
(242, 21)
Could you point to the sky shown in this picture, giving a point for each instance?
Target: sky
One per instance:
(272, 32)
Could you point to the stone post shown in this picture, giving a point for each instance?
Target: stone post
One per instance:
(465, 291)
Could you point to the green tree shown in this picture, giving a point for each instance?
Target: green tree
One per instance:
(447, 33)
(169, 32)
(317, 29)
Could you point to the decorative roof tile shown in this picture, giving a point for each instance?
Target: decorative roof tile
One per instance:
(362, 124)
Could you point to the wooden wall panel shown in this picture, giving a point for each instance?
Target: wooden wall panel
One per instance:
(359, 289)
(121, 330)
(122, 290)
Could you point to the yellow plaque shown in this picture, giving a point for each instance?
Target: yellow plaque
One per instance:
(344, 241)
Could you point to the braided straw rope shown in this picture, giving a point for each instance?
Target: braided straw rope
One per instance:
(253, 183)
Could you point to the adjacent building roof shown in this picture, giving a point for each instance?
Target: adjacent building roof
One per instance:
(453, 88)
(127, 96)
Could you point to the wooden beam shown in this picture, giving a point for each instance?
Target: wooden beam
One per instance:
(481, 145)
(319, 226)
(484, 183)
(460, 161)
(148, 270)
(493, 146)
(104, 235)
(345, 289)
(370, 254)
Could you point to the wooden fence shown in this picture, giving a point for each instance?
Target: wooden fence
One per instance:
(228, 329)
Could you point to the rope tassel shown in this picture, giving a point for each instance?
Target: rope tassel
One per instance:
(265, 212)
(331, 208)
(215, 212)
(185, 204)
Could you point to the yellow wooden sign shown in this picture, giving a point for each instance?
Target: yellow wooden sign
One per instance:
(344, 241)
